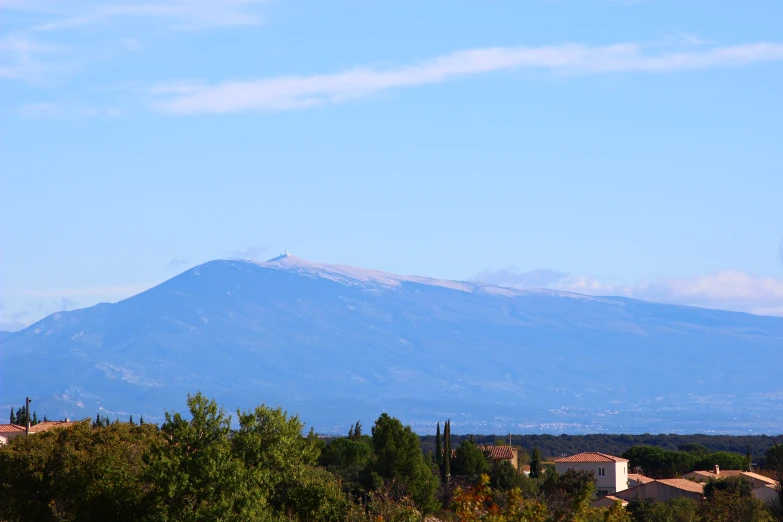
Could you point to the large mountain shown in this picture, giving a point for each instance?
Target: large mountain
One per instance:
(337, 344)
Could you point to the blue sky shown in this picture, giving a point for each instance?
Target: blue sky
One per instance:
(608, 147)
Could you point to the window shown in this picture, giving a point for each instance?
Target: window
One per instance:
(601, 472)
(601, 493)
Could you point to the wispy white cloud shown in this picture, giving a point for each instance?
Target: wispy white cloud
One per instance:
(726, 290)
(25, 58)
(43, 110)
(302, 92)
(189, 14)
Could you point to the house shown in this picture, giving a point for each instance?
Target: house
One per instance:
(611, 473)
(10, 431)
(637, 479)
(608, 501)
(766, 493)
(499, 453)
(662, 490)
(756, 480)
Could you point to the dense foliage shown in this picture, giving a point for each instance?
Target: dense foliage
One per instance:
(660, 463)
(261, 468)
(553, 446)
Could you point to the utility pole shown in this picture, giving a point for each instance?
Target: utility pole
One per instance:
(27, 415)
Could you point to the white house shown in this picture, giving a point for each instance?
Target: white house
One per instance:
(611, 473)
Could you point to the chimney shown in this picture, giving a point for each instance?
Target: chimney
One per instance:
(717, 469)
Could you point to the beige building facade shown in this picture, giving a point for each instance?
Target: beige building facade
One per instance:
(611, 473)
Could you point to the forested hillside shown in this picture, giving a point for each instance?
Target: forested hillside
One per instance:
(553, 446)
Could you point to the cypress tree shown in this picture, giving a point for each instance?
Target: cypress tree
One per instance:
(438, 450)
(35, 418)
(131, 419)
(357, 432)
(535, 464)
(447, 450)
(141, 420)
(45, 419)
(13, 416)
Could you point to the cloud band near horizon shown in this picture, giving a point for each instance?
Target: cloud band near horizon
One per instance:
(724, 290)
(302, 92)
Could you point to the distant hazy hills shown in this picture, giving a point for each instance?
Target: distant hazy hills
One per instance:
(337, 344)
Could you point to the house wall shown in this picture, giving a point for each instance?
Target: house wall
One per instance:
(765, 493)
(6, 437)
(614, 480)
(658, 491)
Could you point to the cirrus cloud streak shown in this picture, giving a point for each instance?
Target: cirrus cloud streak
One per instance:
(303, 92)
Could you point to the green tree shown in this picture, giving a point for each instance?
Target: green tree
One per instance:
(349, 460)
(694, 447)
(398, 460)
(730, 506)
(568, 495)
(680, 509)
(13, 416)
(535, 464)
(732, 485)
(503, 476)
(438, 449)
(192, 474)
(446, 465)
(470, 461)
(723, 459)
(355, 432)
(283, 467)
(773, 461)
(660, 463)
(75, 473)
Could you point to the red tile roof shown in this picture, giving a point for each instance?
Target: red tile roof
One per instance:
(637, 477)
(684, 484)
(47, 425)
(37, 428)
(591, 456)
(11, 428)
(498, 452)
(495, 452)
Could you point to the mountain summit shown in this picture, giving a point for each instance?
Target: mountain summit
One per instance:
(337, 343)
